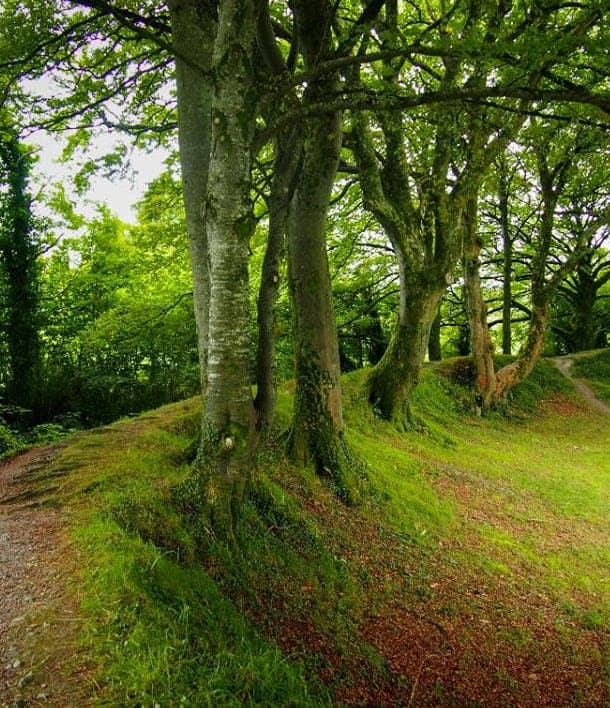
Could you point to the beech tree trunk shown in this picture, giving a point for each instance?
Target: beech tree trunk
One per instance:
(585, 333)
(317, 428)
(288, 152)
(397, 374)
(217, 120)
(434, 345)
(193, 32)
(507, 266)
(318, 422)
(516, 372)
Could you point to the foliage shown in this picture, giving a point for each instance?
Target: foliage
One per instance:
(119, 333)
(9, 441)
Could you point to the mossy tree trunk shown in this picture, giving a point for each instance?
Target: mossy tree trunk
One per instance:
(434, 345)
(397, 374)
(426, 249)
(218, 107)
(19, 256)
(507, 265)
(287, 157)
(476, 307)
(585, 333)
(317, 427)
(318, 423)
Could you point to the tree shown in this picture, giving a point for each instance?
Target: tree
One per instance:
(579, 322)
(419, 184)
(193, 30)
(19, 251)
(558, 155)
(117, 331)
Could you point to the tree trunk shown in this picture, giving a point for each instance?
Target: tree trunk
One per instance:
(434, 345)
(288, 152)
(193, 31)
(396, 375)
(507, 267)
(585, 334)
(318, 421)
(476, 308)
(229, 440)
(509, 376)
(317, 427)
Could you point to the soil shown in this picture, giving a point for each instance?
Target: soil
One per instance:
(38, 622)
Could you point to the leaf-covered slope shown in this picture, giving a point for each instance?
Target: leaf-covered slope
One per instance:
(475, 565)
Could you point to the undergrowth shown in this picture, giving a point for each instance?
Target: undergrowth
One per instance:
(174, 617)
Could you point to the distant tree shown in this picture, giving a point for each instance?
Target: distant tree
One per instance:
(19, 252)
(118, 330)
(580, 318)
(558, 158)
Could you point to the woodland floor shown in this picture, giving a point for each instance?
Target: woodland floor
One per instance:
(461, 638)
(38, 622)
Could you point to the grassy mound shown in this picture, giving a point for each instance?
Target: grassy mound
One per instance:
(456, 553)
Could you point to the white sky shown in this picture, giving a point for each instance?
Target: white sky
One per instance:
(119, 193)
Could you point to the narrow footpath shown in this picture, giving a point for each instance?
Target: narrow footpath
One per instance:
(35, 609)
(564, 364)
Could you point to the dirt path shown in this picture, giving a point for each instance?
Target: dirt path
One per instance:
(564, 364)
(35, 616)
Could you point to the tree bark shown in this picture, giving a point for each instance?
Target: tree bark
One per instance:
(476, 308)
(513, 374)
(317, 428)
(229, 441)
(397, 374)
(585, 334)
(507, 266)
(288, 153)
(318, 421)
(193, 31)
(434, 345)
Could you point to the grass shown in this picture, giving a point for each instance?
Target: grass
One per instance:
(503, 518)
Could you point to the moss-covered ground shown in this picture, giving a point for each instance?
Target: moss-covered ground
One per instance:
(475, 571)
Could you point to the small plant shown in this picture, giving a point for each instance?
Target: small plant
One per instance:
(9, 440)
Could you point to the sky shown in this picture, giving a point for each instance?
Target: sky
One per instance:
(120, 193)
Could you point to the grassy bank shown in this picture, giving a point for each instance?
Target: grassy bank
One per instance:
(476, 563)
